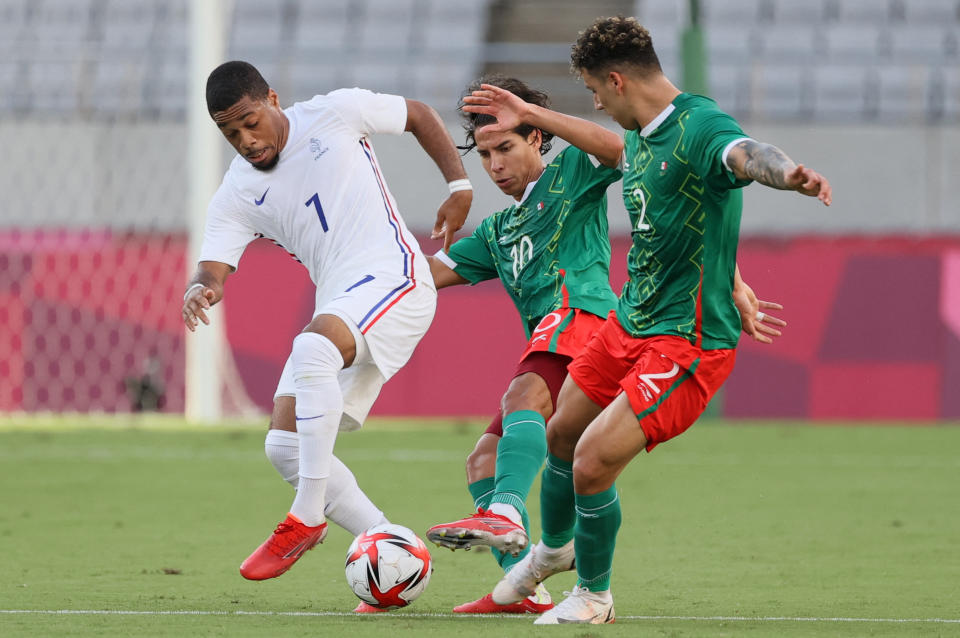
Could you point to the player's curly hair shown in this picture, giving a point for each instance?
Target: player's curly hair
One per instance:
(614, 42)
(473, 121)
(230, 82)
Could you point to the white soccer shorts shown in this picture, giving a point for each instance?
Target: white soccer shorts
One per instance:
(387, 322)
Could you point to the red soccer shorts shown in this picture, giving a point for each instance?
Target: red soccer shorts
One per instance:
(667, 380)
(564, 331)
(559, 337)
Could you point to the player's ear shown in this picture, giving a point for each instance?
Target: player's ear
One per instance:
(615, 78)
(535, 138)
(273, 99)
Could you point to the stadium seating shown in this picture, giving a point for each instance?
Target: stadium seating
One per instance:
(94, 55)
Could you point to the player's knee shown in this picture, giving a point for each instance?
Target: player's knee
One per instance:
(559, 442)
(528, 392)
(314, 357)
(590, 475)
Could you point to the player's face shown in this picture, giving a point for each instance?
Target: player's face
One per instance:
(607, 97)
(511, 160)
(256, 129)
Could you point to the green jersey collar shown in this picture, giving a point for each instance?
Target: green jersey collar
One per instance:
(657, 121)
(526, 191)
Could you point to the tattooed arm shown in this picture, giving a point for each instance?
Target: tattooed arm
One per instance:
(769, 165)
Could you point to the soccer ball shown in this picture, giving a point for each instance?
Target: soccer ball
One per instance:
(388, 566)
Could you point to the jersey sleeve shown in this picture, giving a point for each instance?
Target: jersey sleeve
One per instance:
(589, 177)
(471, 258)
(226, 233)
(367, 112)
(715, 131)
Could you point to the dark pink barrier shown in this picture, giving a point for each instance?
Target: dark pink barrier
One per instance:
(874, 328)
(85, 315)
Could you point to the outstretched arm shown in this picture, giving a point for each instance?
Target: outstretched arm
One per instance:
(769, 165)
(428, 128)
(204, 290)
(753, 319)
(511, 111)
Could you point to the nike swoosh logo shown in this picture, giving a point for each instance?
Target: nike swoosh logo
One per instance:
(308, 418)
(262, 197)
(300, 549)
(361, 282)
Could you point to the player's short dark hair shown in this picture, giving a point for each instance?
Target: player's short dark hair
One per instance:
(231, 81)
(615, 42)
(473, 121)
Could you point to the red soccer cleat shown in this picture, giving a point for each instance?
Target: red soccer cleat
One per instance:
(367, 608)
(538, 603)
(285, 546)
(483, 528)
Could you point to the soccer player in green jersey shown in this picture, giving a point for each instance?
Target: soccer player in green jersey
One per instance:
(551, 252)
(650, 370)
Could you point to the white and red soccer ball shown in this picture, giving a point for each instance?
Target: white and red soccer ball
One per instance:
(388, 566)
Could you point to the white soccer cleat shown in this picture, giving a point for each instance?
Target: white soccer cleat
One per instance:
(541, 563)
(580, 606)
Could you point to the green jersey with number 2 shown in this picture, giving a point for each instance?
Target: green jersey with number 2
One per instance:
(561, 225)
(684, 206)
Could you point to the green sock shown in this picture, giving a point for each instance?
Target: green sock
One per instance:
(557, 514)
(482, 492)
(520, 455)
(598, 519)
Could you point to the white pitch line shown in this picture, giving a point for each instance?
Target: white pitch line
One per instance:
(200, 612)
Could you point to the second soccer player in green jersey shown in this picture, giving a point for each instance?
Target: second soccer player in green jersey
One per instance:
(551, 252)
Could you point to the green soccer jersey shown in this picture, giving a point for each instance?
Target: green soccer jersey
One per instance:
(684, 207)
(561, 225)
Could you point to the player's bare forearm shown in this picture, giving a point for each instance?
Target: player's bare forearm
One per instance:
(764, 163)
(588, 136)
(428, 128)
(511, 111)
(203, 291)
(443, 275)
(767, 164)
(425, 124)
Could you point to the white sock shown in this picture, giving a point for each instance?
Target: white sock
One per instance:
(316, 364)
(347, 505)
(283, 451)
(505, 509)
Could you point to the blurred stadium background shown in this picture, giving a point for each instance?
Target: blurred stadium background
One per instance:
(95, 103)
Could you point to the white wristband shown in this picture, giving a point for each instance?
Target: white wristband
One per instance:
(190, 289)
(460, 185)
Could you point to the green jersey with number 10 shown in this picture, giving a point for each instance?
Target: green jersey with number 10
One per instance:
(561, 225)
(684, 206)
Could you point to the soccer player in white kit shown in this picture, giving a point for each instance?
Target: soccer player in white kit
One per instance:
(308, 179)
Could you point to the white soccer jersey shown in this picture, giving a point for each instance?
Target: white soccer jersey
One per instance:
(325, 201)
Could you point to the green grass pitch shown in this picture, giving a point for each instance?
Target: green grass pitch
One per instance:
(759, 530)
